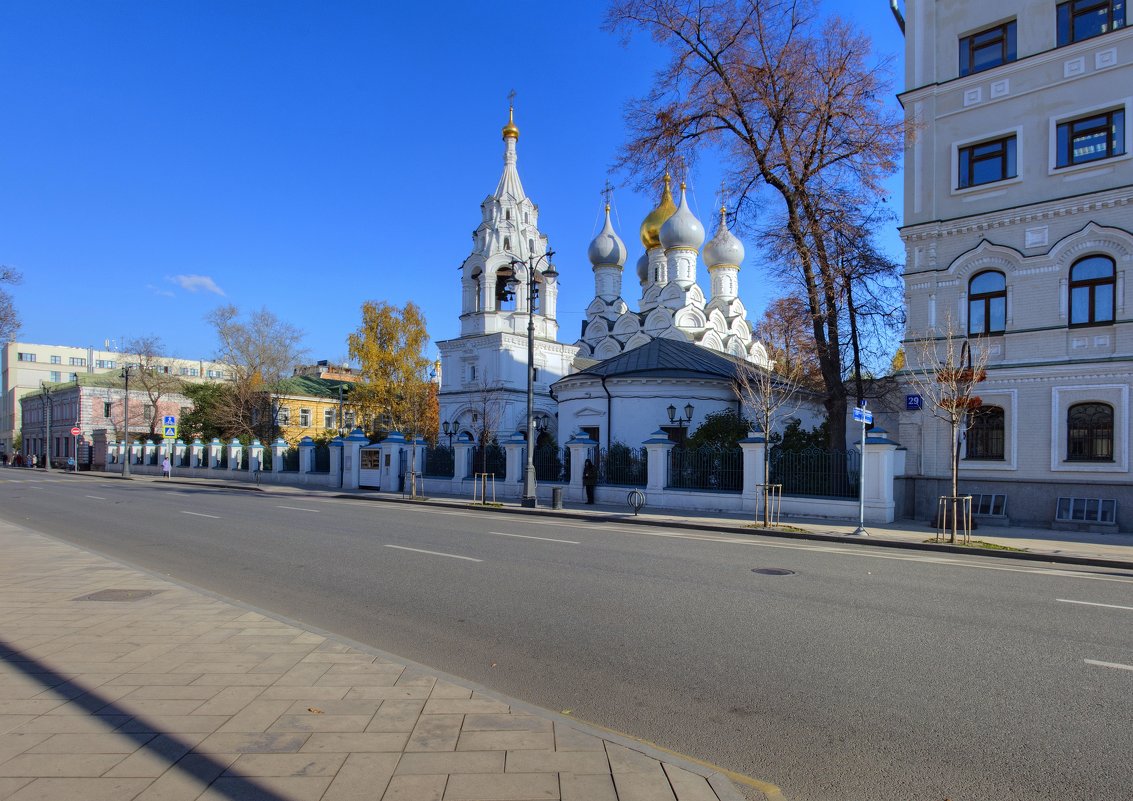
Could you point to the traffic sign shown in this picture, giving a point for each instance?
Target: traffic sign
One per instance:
(863, 415)
(169, 432)
(169, 420)
(76, 431)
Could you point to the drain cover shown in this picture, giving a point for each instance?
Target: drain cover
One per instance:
(118, 595)
(773, 571)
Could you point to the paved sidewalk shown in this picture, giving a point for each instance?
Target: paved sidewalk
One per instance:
(108, 695)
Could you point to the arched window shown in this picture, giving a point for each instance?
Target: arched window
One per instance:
(985, 433)
(507, 214)
(507, 243)
(1092, 283)
(505, 289)
(1089, 433)
(987, 304)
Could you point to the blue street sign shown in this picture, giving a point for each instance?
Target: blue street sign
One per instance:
(169, 420)
(863, 415)
(913, 403)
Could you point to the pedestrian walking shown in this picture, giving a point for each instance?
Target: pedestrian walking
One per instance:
(589, 480)
(166, 466)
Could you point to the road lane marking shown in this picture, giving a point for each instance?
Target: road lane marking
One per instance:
(435, 553)
(200, 514)
(299, 509)
(528, 537)
(1091, 603)
(1115, 665)
(95, 497)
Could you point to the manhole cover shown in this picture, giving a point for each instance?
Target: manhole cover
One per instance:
(773, 571)
(118, 595)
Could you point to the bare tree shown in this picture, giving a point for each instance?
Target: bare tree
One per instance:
(155, 372)
(785, 330)
(796, 113)
(488, 403)
(258, 353)
(9, 320)
(944, 369)
(771, 396)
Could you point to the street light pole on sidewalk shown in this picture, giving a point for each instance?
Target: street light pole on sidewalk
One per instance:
(126, 419)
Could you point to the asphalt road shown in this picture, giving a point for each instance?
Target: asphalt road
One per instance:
(864, 674)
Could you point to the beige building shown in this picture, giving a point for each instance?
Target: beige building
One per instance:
(26, 366)
(1018, 227)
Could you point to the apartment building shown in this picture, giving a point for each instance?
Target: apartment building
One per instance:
(26, 366)
(1018, 228)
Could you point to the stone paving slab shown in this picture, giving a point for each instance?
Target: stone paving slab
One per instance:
(182, 696)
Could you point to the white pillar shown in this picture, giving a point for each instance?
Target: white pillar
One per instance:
(391, 455)
(753, 448)
(306, 456)
(278, 449)
(336, 459)
(657, 449)
(197, 454)
(880, 459)
(516, 461)
(255, 456)
(351, 458)
(235, 451)
(214, 454)
(461, 457)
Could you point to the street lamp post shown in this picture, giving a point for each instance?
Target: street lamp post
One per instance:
(47, 427)
(681, 421)
(529, 498)
(449, 431)
(125, 375)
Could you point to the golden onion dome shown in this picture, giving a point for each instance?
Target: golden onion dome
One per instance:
(651, 227)
(510, 130)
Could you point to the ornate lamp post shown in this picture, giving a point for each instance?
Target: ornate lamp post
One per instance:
(46, 427)
(125, 375)
(449, 430)
(680, 421)
(529, 499)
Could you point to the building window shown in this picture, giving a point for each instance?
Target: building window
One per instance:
(77, 361)
(56, 359)
(305, 418)
(53, 377)
(987, 49)
(471, 372)
(1092, 284)
(25, 357)
(987, 304)
(1099, 136)
(184, 371)
(213, 373)
(328, 418)
(285, 415)
(348, 417)
(987, 162)
(104, 364)
(1089, 433)
(1084, 19)
(74, 377)
(106, 409)
(194, 372)
(985, 433)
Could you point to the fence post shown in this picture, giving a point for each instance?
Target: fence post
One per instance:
(391, 446)
(306, 456)
(880, 498)
(179, 451)
(214, 453)
(515, 462)
(580, 446)
(255, 456)
(351, 458)
(196, 453)
(461, 453)
(278, 448)
(235, 451)
(657, 449)
(753, 448)
(147, 451)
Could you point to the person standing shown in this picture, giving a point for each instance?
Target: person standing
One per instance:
(166, 466)
(589, 480)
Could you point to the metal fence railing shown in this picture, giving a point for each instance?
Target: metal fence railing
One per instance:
(490, 459)
(816, 472)
(321, 461)
(706, 468)
(266, 460)
(222, 462)
(291, 460)
(439, 462)
(551, 464)
(623, 465)
(245, 458)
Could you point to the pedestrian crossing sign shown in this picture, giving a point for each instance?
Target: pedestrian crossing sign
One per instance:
(169, 426)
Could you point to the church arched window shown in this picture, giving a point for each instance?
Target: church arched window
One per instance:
(507, 214)
(507, 243)
(526, 217)
(531, 247)
(505, 289)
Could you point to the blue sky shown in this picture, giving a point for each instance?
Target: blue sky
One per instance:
(158, 159)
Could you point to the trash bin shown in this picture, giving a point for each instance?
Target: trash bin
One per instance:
(556, 497)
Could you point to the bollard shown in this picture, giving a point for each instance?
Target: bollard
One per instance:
(556, 497)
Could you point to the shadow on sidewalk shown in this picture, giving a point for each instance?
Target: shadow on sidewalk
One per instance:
(179, 755)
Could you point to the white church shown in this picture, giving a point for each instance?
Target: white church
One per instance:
(615, 383)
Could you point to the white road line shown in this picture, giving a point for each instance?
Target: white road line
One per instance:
(1091, 603)
(1115, 665)
(299, 509)
(435, 553)
(200, 514)
(527, 537)
(96, 497)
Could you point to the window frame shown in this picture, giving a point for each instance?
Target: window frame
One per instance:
(981, 440)
(1087, 436)
(1115, 140)
(966, 170)
(1066, 13)
(304, 418)
(987, 298)
(1007, 41)
(1092, 285)
(329, 418)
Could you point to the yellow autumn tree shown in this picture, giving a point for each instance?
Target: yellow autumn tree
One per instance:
(389, 347)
